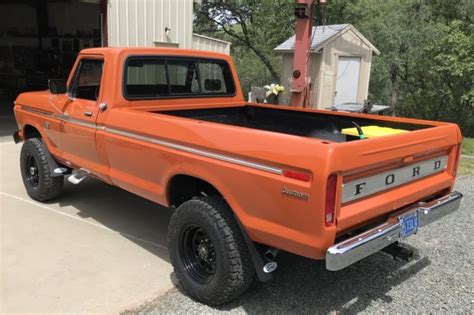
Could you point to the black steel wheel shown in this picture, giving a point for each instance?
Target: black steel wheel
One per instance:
(38, 179)
(208, 252)
(32, 171)
(198, 253)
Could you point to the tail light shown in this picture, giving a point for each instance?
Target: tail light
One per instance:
(330, 212)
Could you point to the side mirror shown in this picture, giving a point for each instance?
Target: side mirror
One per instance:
(212, 85)
(57, 86)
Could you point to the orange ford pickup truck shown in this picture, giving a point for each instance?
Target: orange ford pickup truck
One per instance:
(245, 179)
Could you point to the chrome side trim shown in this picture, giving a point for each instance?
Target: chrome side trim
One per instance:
(347, 252)
(36, 111)
(200, 152)
(136, 136)
(79, 122)
(63, 117)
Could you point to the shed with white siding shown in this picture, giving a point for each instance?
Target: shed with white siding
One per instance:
(341, 59)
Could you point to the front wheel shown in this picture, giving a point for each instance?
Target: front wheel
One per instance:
(36, 173)
(208, 252)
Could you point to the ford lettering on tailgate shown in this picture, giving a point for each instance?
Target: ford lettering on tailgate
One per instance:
(367, 186)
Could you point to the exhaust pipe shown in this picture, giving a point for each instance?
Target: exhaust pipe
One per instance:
(271, 265)
(271, 253)
(399, 252)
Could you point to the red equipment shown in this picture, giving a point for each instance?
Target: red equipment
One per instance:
(301, 81)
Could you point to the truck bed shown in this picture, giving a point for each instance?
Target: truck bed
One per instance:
(307, 124)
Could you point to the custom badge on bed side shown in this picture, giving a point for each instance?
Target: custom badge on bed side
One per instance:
(295, 194)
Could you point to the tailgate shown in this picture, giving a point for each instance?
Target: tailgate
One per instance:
(383, 174)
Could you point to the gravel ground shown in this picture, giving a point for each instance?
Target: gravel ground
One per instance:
(439, 279)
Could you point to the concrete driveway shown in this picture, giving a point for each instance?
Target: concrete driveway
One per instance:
(98, 249)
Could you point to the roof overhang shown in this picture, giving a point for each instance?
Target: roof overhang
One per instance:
(358, 34)
(320, 47)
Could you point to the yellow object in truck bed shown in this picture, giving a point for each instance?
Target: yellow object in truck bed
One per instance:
(372, 131)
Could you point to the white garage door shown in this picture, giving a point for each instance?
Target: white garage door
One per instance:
(347, 80)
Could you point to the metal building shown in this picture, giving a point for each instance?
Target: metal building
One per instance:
(341, 58)
(40, 39)
(157, 23)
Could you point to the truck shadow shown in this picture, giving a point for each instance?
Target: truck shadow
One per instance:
(300, 285)
(137, 219)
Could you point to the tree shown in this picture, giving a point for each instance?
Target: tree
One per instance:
(445, 91)
(425, 68)
(251, 26)
(426, 61)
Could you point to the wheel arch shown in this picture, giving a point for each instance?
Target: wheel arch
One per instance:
(182, 187)
(31, 131)
(194, 187)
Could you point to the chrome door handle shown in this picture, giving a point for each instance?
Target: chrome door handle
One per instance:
(88, 114)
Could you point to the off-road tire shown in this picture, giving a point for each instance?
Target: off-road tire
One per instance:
(44, 186)
(234, 271)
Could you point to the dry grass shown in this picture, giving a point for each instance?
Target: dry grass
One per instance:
(466, 167)
(468, 146)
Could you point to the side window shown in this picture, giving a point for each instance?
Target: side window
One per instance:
(212, 77)
(184, 78)
(86, 82)
(146, 78)
(150, 72)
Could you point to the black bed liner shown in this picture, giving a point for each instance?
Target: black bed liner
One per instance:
(312, 125)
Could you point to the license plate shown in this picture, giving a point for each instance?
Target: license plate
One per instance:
(409, 224)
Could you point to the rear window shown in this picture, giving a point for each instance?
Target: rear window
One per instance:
(165, 77)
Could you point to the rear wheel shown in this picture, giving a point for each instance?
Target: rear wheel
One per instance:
(36, 173)
(207, 250)
(197, 253)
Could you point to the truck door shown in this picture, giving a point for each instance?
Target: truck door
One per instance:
(80, 114)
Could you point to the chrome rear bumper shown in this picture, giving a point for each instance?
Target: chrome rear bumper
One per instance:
(365, 244)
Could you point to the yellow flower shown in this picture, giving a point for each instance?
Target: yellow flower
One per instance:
(274, 89)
